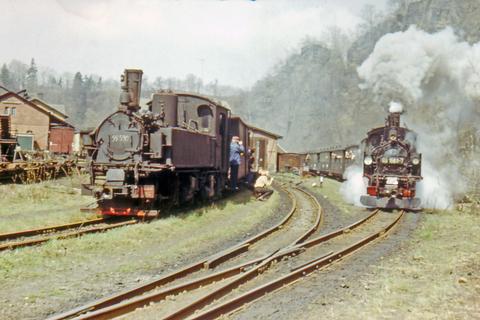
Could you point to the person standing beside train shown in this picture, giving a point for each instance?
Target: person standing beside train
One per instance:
(236, 149)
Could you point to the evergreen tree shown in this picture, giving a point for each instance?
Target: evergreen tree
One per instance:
(5, 79)
(79, 98)
(31, 79)
(77, 87)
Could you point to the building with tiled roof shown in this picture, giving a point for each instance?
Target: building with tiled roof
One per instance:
(37, 124)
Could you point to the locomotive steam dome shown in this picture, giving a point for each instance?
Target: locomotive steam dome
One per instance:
(119, 137)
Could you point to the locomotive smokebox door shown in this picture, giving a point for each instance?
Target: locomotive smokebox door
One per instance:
(115, 177)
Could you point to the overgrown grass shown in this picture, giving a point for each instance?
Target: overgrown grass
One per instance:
(94, 261)
(42, 204)
(435, 277)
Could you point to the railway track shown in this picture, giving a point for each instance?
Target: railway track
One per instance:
(271, 276)
(33, 237)
(244, 279)
(247, 274)
(302, 220)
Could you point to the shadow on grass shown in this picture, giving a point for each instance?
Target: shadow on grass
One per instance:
(243, 196)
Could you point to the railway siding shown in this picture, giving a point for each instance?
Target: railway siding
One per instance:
(62, 274)
(299, 218)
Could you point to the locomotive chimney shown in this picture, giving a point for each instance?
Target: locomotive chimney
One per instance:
(394, 109)
(131, 82)
(393, 119)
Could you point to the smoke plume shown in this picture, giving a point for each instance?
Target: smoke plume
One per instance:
(437, 77)
(354, 185)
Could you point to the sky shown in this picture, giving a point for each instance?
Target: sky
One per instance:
(235, 41)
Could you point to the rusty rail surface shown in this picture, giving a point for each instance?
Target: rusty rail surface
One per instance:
(113, 306)
(222, 291)
(34, 232)
(209, 263)
(76, 233)
(142, 301)
(318, 220)
(295, 274)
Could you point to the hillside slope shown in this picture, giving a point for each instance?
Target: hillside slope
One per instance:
(314, 95)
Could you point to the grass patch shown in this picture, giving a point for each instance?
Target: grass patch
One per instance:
(98, 261)
(42, 204)
(435, 277)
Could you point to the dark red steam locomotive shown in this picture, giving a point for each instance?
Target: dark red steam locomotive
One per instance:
(392, 166)
(175, 151)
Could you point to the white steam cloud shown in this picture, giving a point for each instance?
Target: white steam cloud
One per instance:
(437, 77)
(354, 185)
(395, 107)
(406, 64)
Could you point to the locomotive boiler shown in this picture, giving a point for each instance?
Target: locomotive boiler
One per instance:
(175, 151)
(392, 166)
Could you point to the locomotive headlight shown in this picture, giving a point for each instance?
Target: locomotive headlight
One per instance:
(415, 161)
(368, 160)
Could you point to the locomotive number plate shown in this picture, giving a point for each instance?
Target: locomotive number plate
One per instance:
(120, 138)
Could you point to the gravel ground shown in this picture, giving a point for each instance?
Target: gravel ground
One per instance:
(302, 220)
(427, 268)
(319, 290)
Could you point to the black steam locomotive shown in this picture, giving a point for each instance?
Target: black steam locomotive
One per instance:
(175, 151)
(392, 166)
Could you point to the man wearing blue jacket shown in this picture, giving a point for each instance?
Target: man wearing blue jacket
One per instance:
(236, 149)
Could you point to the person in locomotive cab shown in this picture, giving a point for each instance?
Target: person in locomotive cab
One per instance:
(261, 187)
(236, 150)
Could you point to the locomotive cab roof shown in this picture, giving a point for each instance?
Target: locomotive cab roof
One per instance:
(192, 95)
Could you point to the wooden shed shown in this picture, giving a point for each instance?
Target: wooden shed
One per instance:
(265, 145)
(290, 161)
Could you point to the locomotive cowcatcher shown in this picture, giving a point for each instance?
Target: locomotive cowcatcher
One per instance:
(392, 166)
(175, 151)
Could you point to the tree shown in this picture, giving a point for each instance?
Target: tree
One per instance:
(159, 83)
(79, 97)
(31, 77)
(338, 41)
(77, 87)
(18, 71)
(5, 79)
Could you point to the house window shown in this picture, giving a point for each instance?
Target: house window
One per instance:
(7, 111)
(13, 111)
